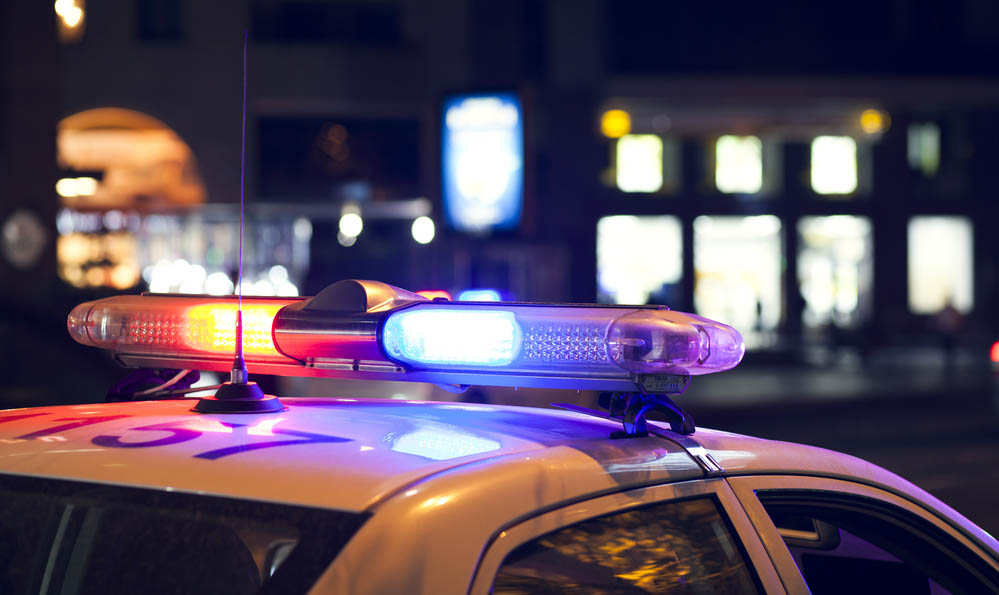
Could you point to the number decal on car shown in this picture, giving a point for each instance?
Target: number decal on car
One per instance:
(179, 432)
(178, 435)
(300, 438)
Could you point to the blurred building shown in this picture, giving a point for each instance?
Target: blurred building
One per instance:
(802, 172)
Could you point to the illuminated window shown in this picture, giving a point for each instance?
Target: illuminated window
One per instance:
(739, 164)
(941, 264)
(737, 273)
(639, 163)
(639, 259)
(835, 269)
(924, 148)
(834, 164)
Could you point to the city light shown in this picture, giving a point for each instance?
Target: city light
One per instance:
(737, 273)
(739, 164)
(873, 121)
(615, 123)
(941, 264)
(71, 15)
(835, 269)
(218, 284)
(73, 187)
(351, 225)
(423, 230)
(923, 148)
(638, 257)
(834, 164)
(639, 163)
(482, 152)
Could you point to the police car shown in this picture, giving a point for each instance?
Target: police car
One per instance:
(242, 492)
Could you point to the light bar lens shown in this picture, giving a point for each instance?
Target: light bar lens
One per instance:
(176, 326)
(559, 340)
(453, 337)
(479, 295)
(662, 341)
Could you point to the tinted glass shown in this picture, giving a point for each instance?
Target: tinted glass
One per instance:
(676, 547)
(863, 546)
(74, 538)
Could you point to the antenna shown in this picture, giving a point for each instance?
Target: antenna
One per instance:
(239, 395)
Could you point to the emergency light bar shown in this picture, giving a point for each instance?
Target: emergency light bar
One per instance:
(371, 330)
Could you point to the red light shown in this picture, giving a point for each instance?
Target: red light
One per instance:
(994, 354)
(431, 294)
(212, 327)
(178, 326)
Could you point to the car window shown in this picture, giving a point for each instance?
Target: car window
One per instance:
(674, 547)
(73, 538)
(850, 544)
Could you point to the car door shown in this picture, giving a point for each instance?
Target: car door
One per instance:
(687, 537)
(832, 536)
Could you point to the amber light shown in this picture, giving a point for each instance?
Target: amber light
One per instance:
(176, 326)
(212, 327)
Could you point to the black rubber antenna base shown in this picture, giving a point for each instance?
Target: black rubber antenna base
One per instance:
(239, 398)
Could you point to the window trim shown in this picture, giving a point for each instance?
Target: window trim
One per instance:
(746, 489)
(508, 539)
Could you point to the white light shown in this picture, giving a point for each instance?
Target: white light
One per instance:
(639, 163)
(277, 274)
(114, 220)
(262, 287)
(739, 164)
(218, 284)
(941, 264)
(287, 289)
(423, 230)
(737, 272)
(636, 256)
(346, 241)
(834, 164)
(194, 279)
(66, 188)
(62, 7)
(351, 225)
(86, 186)
(302, 228)
(834, 268)
(64, 222)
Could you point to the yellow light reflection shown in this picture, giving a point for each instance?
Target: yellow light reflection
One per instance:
(615, 123)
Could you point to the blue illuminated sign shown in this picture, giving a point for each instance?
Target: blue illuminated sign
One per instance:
(483, 161)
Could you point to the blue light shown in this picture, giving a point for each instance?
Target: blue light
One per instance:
(482, 157)
(479, 295)
(442, 444)
(473, 337)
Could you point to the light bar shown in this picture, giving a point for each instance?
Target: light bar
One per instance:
(577, 341)
(179, 326)
(370, 330)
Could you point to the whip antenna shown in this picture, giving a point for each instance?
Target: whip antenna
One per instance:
(239, 395)
(239, 375)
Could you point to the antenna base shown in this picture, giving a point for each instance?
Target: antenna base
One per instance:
(239, 398)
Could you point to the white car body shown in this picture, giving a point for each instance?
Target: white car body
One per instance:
(451, 489)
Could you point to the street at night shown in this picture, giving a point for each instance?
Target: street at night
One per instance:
(499, 297)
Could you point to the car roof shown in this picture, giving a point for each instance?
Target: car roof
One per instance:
(346, 454)
(352, 454)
